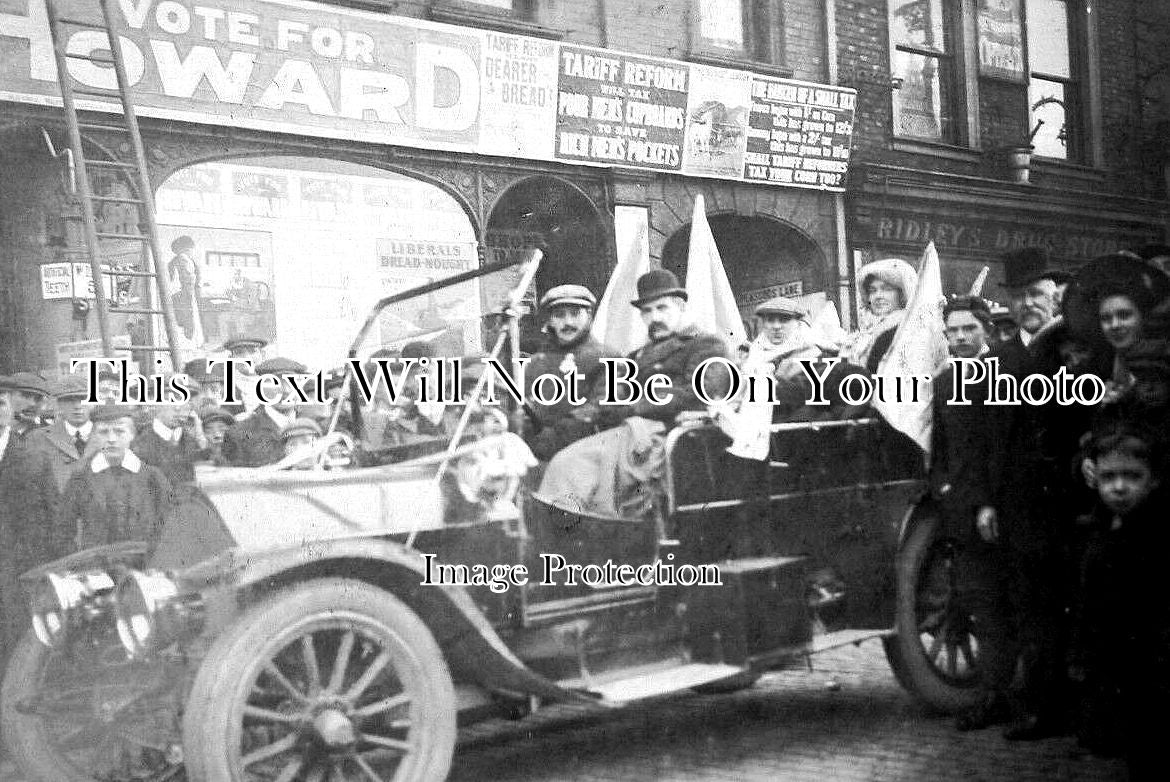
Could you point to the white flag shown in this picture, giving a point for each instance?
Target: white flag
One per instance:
(918, 349)
(711, 304)
(617, 323)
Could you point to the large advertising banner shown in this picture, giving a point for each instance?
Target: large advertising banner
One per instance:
(310, 69)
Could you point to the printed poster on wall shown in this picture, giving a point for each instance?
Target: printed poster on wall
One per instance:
(798, 134)
(1001, 39)
(717, 118)
(620, 110)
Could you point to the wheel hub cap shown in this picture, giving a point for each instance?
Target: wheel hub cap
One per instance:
(334, 729)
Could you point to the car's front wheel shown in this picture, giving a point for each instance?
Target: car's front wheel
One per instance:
(331, 679)
(934, 654)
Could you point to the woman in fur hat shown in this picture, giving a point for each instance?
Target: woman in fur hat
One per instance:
(883, 288)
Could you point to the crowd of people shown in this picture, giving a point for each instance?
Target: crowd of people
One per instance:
(1050, 511)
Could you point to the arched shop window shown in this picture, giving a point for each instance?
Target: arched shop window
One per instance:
(297, 249)
(763, 258)
(549, 213)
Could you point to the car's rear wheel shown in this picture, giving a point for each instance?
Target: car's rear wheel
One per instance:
(934, 654)
(86, 713)
(332, 679)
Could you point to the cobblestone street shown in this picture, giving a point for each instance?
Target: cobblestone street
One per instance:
(793, 725)
(845, 720)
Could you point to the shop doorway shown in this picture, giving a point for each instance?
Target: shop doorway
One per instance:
(763, 258)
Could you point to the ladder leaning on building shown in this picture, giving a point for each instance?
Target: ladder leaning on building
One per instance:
(157, 304)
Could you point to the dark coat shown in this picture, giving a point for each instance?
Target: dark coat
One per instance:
(55, 444)
(176, 460)
(677, 357)
(549, 428)
(115, 505)
(253, 442)
(970, 453)
(28, 504)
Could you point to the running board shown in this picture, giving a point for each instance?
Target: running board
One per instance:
(839, 638)
(655, 681)
(819, 643)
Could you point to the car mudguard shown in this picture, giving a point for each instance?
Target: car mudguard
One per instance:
(474, 649)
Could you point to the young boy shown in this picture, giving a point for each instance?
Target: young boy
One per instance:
(115, 496)
(1121, 631)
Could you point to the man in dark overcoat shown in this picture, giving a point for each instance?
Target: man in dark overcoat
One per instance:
(568, 347)
(28, 499)
(969, 458)
(68, 442)
(255, 441)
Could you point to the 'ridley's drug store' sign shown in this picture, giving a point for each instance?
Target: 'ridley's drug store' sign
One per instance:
(313, 69)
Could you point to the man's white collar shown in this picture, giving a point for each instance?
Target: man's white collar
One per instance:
(130, 461)
(166, 432)
(83, 430)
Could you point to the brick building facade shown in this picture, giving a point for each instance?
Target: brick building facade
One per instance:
(946, 88)
(772, 237)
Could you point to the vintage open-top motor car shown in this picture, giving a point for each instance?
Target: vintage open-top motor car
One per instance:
(280, 628)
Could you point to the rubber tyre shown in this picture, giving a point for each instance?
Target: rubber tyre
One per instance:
(904, 650)
(26, 736)
(234, 658)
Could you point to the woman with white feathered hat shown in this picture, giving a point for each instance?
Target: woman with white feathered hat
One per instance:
(883, 289)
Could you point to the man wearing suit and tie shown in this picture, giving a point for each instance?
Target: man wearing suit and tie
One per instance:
(67, 443)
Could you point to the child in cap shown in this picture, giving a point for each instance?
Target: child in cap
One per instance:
(116, 496)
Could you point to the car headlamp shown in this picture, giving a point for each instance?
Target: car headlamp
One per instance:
(60, 600)
(150, 613)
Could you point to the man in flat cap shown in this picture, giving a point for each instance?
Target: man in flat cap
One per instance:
(30, 393)
(299, 436)
(255, 440)
(68, 442)
(568, 347)
(242, 348)
(116, 496)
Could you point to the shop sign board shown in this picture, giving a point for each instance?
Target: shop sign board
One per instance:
(92, 348)
(312, 69)
(994, 237)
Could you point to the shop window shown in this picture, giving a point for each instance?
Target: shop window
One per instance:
(521, 9)
(924, 68)
(297, 250)
(745, 30)
(1052, 85)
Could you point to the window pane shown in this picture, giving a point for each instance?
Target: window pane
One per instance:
(721, 23)
(505, 4)
(1047, 100)
(1047, 22)
(919, 23)
(924, 99)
